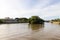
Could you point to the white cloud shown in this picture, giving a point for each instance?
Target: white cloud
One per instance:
(52, 10)
(24, 8)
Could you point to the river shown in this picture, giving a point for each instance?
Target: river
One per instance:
(25, 31)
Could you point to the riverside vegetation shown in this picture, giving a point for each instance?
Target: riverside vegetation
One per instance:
(56, 21)
(31, 20)
(36, 20)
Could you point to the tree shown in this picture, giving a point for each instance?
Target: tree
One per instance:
(35, 20)
(22, 20)
(1, 21)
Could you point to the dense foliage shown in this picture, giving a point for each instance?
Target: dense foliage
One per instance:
(35, 20)
(56, 20)
(31, 20)
(1, 21)
(22, 20)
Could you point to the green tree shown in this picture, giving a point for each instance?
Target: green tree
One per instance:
(35, 20)
(1, 21)
(56, 20)
(22, 20)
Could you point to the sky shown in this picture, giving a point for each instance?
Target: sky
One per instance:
(46, 9)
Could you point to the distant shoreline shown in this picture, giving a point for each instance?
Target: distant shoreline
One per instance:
(8, 23)
(55, 22)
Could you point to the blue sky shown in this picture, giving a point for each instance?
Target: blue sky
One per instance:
(46, 9)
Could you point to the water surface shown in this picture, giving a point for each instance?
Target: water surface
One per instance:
(25, 31)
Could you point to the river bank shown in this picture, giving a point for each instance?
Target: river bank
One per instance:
(55, 22)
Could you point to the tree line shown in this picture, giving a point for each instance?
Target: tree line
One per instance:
(31, 20)
(56, 20)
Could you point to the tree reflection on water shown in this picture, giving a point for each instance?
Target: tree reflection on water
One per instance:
(36, 27)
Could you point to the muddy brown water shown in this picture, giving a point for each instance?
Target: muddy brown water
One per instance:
(25, 31)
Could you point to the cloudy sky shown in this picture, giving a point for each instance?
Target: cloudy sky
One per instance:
(46, 9)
